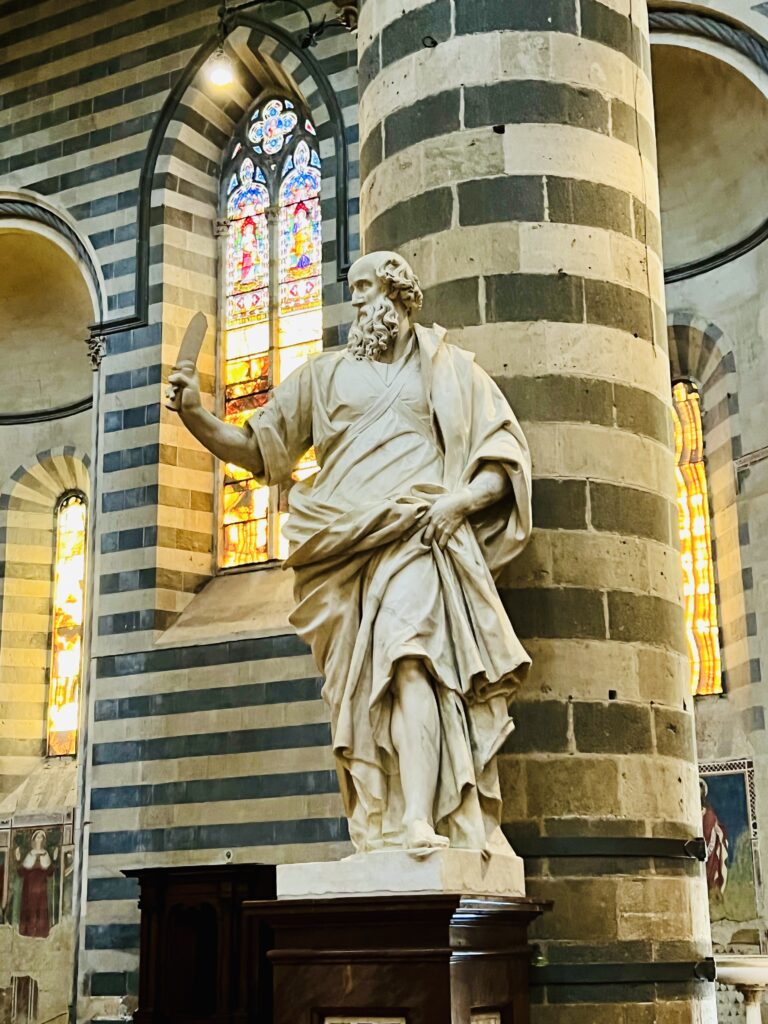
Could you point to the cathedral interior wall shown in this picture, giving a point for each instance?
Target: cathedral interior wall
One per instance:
(208, 739)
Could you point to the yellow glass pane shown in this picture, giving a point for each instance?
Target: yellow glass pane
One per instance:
(247, 341)
(249, 369)
(293, 357)
(699, 599)
(67, 627)
(244, 543)
(246, 499)
(300, 328)
(244, 531)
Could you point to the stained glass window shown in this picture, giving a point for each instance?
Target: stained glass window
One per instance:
(699, 597)
(273, 284)
(67, 626)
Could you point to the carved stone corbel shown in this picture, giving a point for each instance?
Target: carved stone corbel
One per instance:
(97, 349)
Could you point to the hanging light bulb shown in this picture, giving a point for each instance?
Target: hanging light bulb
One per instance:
(219, 68)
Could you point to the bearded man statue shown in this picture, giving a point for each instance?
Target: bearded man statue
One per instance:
(422, 497)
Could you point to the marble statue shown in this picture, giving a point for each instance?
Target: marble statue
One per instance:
(421, 500)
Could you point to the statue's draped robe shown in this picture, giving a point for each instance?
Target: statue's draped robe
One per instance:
(389, 440)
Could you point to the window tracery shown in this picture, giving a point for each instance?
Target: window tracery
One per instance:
(273, 305)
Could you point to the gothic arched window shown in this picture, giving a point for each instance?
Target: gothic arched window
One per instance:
(67, 620)
(700, 603)
(273, 312)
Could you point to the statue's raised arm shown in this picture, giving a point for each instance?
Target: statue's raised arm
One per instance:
(228, 442)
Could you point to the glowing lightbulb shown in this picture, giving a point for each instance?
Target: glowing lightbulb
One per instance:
(220, 70)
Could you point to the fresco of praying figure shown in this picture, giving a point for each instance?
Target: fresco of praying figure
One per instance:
(36, 889)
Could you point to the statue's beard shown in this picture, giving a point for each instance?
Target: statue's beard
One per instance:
(375, 329)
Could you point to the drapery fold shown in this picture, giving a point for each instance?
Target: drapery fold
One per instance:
(369, 591)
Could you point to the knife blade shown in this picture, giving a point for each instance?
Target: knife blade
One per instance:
(189, 350)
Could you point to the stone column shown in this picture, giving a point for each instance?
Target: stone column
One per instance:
(507, 149)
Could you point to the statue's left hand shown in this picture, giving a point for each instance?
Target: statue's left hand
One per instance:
(445, 517)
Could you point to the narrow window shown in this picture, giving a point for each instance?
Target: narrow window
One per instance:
(67, 626)
(273, 316)
(700, 604)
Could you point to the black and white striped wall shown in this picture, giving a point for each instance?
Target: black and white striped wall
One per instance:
(217, 742)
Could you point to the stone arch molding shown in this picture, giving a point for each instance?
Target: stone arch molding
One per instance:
(28, 500)
(747, 53)
(250, 42)
(28, 211)
(264, 61)
(700, 351)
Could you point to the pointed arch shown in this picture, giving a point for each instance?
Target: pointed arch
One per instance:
(28, 505)
(271, 44)
(187, 251)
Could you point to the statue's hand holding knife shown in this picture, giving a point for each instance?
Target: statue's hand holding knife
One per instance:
(183, 383)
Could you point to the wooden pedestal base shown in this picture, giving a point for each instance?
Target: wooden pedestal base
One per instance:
(429, 959)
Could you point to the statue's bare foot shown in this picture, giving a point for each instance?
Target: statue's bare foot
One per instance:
(422, 838)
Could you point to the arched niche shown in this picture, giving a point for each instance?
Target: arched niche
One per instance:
(46, 306)
(712, 136)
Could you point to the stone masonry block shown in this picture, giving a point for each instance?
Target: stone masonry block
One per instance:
(571, 201)
(640, 617)
(404, 35)
(628, 510)
(540, 725)
(560, 504)
(512, 772)
(556, 612)
(559, 398)
(527, 102)
(452, 304)
(584, 909)
(414, 218)
(494, 15)
(432, 116)
(674, 733)
(564, 786)
(489, 200)
(516, 297)
(612, 728)
(643, 413)
(660, 790)
(614, 306)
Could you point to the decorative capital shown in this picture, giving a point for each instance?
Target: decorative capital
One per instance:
(97, 349)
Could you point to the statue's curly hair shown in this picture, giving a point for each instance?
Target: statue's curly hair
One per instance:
(401, 283)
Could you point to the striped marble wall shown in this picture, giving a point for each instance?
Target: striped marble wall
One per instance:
(199, 752)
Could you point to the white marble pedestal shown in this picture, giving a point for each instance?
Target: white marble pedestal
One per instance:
(398, 873)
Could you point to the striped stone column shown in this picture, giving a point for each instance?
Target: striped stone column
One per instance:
(507, 149)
